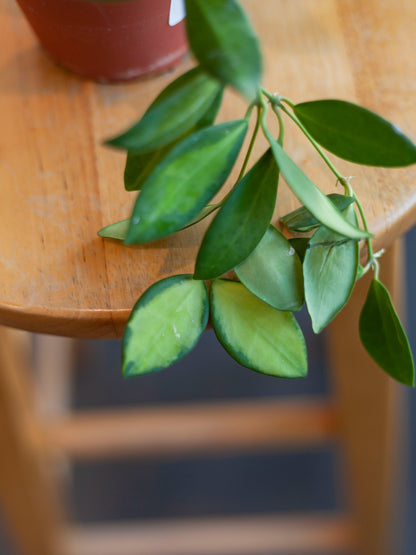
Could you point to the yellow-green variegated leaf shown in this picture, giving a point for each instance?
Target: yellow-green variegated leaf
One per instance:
(185, 181)
(255, 334)
(164, 325)
(140, 166)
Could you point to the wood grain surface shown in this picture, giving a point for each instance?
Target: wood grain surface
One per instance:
(59, 185)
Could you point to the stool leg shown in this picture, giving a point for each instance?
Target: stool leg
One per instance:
(370, 405)
(26, 493)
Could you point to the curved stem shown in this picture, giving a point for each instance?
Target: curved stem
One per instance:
(371, 260)
(277, 101)
(281, 125)
(252, 142)
(249, 150)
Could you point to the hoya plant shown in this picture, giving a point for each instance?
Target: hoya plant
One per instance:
(178, 159)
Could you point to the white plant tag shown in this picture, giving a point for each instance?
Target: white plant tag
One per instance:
(177, 12)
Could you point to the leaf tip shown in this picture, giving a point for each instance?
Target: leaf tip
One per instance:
(128, 369)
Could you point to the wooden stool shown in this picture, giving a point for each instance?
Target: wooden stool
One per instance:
(59, 186)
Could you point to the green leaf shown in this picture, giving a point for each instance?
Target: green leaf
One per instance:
(360, 272)
(383, 336)
(273, 272)
(241, 222)
(300, 244)
(255, 334)
(174, 112)
(183, 183)
(164, 325)
(301, 219)
(356, 134)
(139, 166)
(120, 229)
(329, 273)
(224, 43)
(314, 200)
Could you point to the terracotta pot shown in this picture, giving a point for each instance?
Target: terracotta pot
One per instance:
(108, 41)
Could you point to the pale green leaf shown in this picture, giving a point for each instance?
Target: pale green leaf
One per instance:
(164, 325)
(120, 229)
(301, 220)
(273, 272)
(329, 272)
(255, 334)
(313, 198)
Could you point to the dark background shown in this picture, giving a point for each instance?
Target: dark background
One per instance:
(274, 481)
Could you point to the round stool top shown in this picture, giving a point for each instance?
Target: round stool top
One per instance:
(60, 185)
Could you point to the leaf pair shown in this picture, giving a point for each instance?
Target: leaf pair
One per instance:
(169, 318)
(139, 166)
(165, 324)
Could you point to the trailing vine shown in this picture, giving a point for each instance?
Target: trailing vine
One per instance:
(178, 158)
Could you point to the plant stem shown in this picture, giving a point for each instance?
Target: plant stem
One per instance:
(281, 125)
(252, 142)
(277, 101)
(249, 150)
(371, 260)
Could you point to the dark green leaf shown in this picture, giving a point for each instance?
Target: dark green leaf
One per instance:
(314, 200)
(329, 273)
(273, 272)
(241, 222)
(383, 336)
(183, 183)
(139, 166)
(302, 220)
(300, 244)
(224, 43)
(165, 325)
(174, 112)
(120, 229)
(255, 334)
(356, 134)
